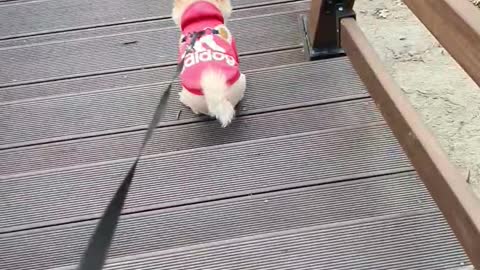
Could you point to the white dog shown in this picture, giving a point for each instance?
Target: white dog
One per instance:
(212, 83)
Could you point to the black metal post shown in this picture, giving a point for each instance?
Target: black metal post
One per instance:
(322, 28)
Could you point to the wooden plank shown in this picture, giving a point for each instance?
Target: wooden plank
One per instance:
(189, 136)
(148, 25)
(118, 110)
(165, 180)
(456, 24)
(134, 78)
(108, 53)
(405, 241)
(449, 189)
(200, 224)
(31, 18)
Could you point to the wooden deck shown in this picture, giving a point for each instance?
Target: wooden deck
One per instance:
(309, 176)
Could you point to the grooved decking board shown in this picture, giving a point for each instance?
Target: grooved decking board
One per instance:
(156, 47)
(415, 241)
(205, 173)
(135, 78)
(147, 25)
(116, 110)
(37, 17)
(226, 219)
(183, 137)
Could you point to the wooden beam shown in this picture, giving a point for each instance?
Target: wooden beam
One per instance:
(456, 25)
(322, 25)
(448, 188)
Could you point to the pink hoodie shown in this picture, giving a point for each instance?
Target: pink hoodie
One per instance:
(215, 51)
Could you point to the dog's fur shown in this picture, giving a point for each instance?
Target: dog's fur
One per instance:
(218, 99)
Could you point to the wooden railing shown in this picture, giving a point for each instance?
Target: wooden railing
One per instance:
(456, 25)
(336, 31)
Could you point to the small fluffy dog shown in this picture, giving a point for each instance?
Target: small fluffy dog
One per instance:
(212, 83)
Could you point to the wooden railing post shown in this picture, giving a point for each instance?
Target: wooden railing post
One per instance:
(322, 27)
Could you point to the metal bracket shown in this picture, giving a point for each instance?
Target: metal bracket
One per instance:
(335, 8)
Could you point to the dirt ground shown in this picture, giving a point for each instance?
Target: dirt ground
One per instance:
(444, 95)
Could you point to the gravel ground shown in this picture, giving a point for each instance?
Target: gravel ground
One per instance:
(444, 95)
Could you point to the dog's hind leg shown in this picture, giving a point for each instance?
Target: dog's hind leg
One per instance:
(236, 92)
(195, 102)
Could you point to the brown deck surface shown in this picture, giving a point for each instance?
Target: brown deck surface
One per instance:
(307, 177)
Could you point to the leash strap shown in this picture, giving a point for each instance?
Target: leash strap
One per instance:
(96, 253)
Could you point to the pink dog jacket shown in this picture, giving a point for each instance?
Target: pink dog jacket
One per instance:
(216, 51)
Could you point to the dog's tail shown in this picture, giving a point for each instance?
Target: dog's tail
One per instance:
(214, 86)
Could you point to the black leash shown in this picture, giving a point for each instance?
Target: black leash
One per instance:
(97, 250)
